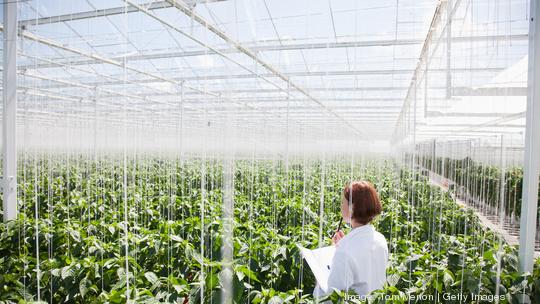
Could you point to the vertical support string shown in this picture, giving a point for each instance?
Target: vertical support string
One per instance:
(321, 203)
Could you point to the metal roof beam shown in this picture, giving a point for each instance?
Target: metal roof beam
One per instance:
(102, 13)
(499, 91)
(319, 74)
(466, 125)
(90, 14)
(466, 114)
(287, 47)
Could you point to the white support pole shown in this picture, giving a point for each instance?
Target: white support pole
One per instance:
(227, 247)
(531, 164)
(9, 147)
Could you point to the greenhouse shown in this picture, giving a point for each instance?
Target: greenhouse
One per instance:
(269, 151)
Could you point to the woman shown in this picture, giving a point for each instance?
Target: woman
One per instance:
(361, 256)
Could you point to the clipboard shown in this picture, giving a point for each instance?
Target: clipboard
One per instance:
(320, 262)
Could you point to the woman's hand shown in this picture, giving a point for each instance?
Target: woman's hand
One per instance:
(337, 237)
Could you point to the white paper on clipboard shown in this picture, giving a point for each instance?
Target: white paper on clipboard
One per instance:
(320, 262)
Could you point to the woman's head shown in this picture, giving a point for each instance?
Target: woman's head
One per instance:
(364, 200)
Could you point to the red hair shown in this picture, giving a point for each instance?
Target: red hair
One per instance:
(365, 201)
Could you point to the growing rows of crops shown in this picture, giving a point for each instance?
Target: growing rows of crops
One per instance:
(482, 183)
(150, 230)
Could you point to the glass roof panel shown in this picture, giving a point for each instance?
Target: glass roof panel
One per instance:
(355, 65)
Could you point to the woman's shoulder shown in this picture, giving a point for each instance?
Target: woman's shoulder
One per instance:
(380, 239)
(379, 235)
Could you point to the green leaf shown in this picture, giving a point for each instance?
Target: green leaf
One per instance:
(247, 272)
(176, 238)
(75, 234)
(212, 280)
(66, 272)
(151, 277)
(116, 296)
(56, 272)
(275, 300)
(178, 288)
(393, 279)
(83, 288)
(448, 278)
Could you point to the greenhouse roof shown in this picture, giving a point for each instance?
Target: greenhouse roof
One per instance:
(264, 68)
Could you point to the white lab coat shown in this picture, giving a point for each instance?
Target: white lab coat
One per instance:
(359, 263)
